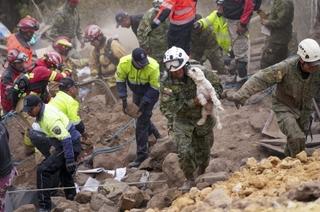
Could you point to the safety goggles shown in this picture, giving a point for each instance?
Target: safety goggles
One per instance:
(314, 64)
(172, 64)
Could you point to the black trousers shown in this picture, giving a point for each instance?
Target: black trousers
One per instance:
(180, 36)
(144, 128)
(47, 171)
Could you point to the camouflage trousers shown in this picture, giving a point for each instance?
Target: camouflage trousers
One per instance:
(194, 144)
(215, 58)
(292, 128)
(273, 53)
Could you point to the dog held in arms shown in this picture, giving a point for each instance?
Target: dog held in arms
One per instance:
(207, 95)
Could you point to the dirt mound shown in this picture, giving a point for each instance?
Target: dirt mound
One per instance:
(269, 185)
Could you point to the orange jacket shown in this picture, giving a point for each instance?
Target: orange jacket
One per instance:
(14, 43)
(182, 11)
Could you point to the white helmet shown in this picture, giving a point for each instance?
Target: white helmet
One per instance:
(175, 58)
(157, 3)
(309, 50)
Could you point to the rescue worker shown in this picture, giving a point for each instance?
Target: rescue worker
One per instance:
(205, 46)
(66, 22)
(279, 22)
(182, 14)
(154, 42)
(36, 81)
(57, 126)
(7, 170)
(15, 66)
(105, 55)
(63, 46)
(125, 20)
(179, 103)
(141, 73)
(297, 79)
(27, 26)
(238, 14)
(216, 23)
(65, 101)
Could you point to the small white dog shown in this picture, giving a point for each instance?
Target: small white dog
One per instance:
(206, 94)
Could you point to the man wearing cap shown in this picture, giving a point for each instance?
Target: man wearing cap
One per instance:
(65, 101)
(56, 126)
(141, 73)
(125, 20)
(297, 79)
(66, 22)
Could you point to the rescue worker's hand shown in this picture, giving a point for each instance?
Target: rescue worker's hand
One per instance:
(154, 25)
(197, 26)
(232, 96)
(241, 30)
(124, 105)
(85, 135)
(71, 166)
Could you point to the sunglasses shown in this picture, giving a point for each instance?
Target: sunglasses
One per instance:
(172, 64)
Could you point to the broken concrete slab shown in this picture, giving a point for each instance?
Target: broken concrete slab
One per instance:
(212, 177)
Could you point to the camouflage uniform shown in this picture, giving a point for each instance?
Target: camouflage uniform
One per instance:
(104, 60)
(153, 41)
(177, 104)
(291, 101)
(204, 46)
(66, 22)
(280, 25)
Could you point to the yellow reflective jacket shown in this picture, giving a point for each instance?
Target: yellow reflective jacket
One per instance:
(219, 28)
(143, 82)
(68, 105)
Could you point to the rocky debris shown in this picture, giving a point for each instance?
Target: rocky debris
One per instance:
(63, 205)
(108, 161)
(219, 165)
(133, 198)
(26, 208)
(307, 192)
(268, 185)
(98, 201)
(113, 189)
(302, 156)
(83, 197)
(258, 121)
(172, 170)
(163, 199)
(212, 177)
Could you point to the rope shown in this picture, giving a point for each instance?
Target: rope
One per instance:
(74, 187)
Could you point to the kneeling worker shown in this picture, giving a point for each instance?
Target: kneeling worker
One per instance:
(56, 126)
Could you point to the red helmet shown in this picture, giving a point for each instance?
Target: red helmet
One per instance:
(53, 59)
(28, 24)
(62, 45)
(92, 32)
(15, 56)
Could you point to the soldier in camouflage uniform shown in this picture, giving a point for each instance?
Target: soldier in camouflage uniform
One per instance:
(297, 79)
(154, 42)
(182, 109)
(66, 22)
(279, 22)
(204, 46)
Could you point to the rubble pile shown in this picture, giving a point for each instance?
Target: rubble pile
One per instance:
(291, 184)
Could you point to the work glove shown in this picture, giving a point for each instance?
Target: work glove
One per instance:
(241, 30)
(124, 105)
(71, 165)
(232, 96)
(197, 26)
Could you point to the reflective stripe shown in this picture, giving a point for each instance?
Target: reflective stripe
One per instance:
(52, 76)
(167, 5)
(181, 22)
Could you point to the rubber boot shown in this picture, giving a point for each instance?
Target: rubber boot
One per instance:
(242, 71)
